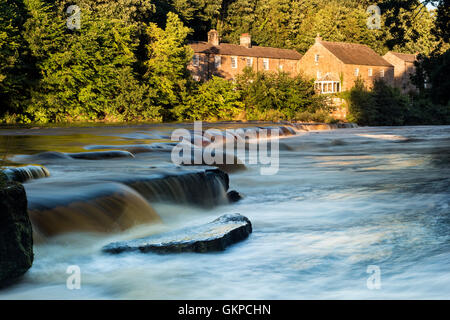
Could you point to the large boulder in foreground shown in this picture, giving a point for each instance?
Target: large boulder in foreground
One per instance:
(16, 235)
(214, 236)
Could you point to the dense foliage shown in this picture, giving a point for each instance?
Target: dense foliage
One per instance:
(128, 60)
(385, 105)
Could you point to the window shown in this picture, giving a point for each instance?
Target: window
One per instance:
(382, 73)
(280, 67)
(266, 64)
(370, 72)
(316, 58)
(249, 62)
(217, 61)
(196, 60)
(356, 71)
(234, 62)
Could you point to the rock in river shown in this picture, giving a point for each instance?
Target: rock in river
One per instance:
(213, 236)
(16, 235)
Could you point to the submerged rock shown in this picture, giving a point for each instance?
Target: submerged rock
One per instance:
(25, 173)
(214, 236)
(16, 235)
(100, 155)
(234, 196)
(57, 208)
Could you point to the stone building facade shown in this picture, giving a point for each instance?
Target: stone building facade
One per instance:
(336, 65)
(403, 69)
(225, 60)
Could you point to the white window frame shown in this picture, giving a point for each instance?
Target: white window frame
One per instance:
(356, 72)
(266, 64)
(382, 73)
(370, 72)
(217, 61)
(316, 58)
(326, 87)
(196, 60)
(234, 62)
(249, 59)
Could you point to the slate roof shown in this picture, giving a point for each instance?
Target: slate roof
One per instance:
(357, 54)
(404, 56)
(238, 50)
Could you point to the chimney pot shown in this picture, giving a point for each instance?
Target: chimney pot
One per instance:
(246, 40)
(213, 37)
(318, 38)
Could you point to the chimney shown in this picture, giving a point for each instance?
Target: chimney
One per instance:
(318, 38)
(246, 40)
(213, 37)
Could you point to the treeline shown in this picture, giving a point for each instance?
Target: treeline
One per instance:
(127, 62)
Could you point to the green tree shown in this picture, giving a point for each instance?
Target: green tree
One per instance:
(81, 71)
(14, 64)
(168, 57)
(215, 99)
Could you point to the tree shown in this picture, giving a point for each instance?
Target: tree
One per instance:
(168, 57)
(14, 64)
(81, 71)
(215, 99)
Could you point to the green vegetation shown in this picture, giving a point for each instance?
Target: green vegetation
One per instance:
(128, 61)
(387, 106)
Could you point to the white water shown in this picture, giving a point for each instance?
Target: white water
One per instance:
(342, 200)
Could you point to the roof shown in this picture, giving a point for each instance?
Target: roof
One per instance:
(404, 56)
(353, 53)
(238, 50)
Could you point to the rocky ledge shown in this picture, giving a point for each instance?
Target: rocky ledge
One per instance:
(214, 236)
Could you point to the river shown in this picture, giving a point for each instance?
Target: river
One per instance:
(342, 200)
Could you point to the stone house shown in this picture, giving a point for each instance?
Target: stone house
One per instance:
(336, 65)
(225, 60)
(403, 69)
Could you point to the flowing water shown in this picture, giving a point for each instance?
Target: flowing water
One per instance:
(342, 200)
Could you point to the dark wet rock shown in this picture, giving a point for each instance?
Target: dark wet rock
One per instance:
(287, 131)
(100, 155)
(214, 236)
(133, 148)
(25, 173)
(205, 188)
(16, 235)
(49, 155)
(234, 196)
